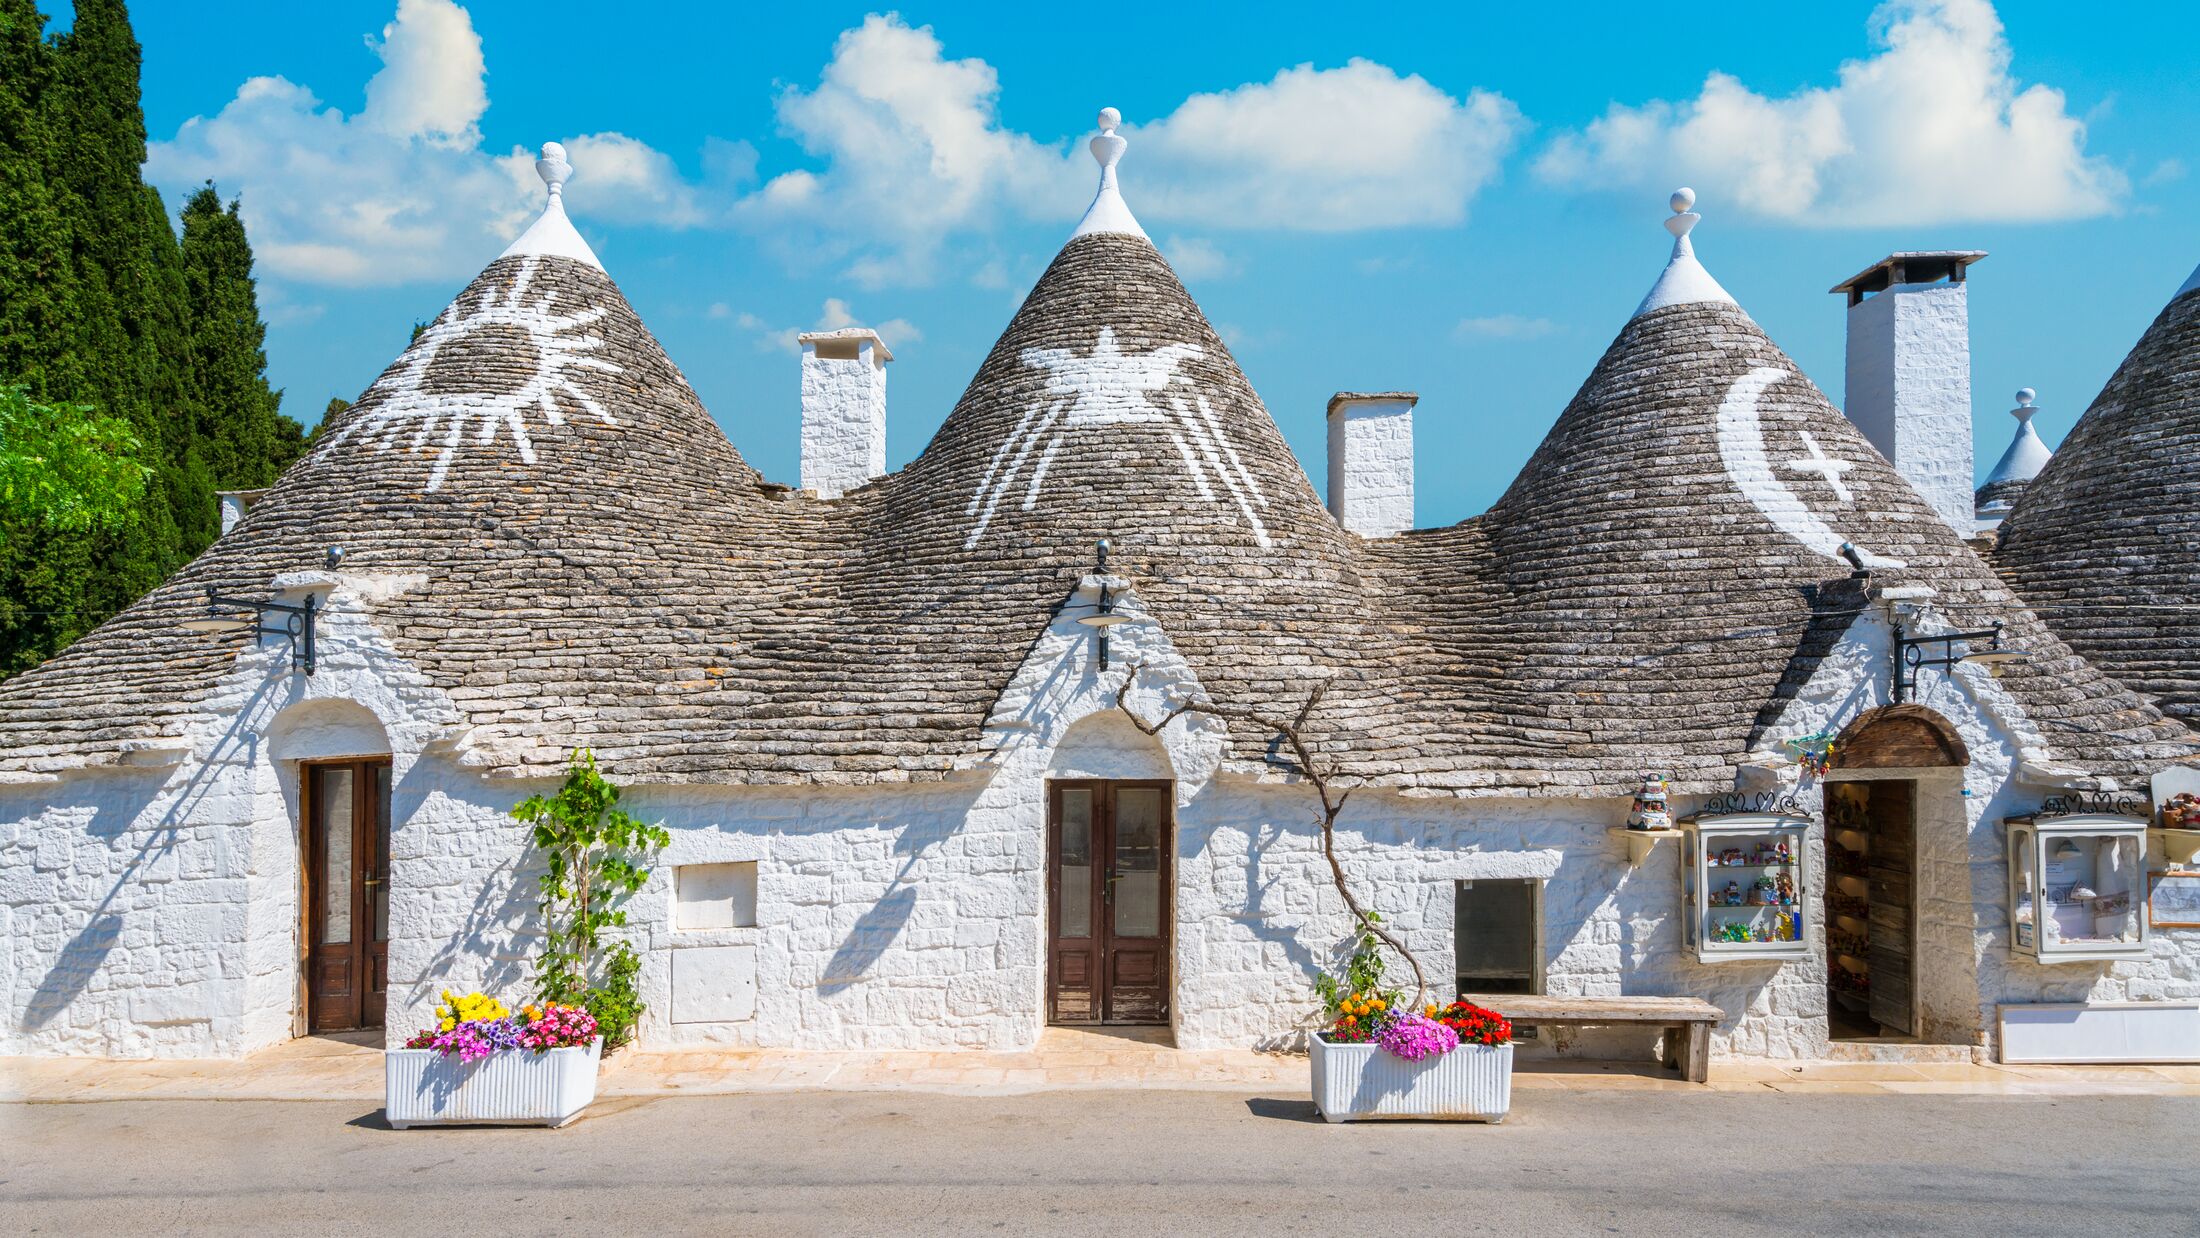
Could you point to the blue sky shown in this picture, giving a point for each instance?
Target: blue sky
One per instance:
(1467, 207)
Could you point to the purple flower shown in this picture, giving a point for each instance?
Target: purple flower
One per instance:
(1414, 1037)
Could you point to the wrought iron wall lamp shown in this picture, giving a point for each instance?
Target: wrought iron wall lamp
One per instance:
(1910, 658)
(296, 624)
(1104, 614)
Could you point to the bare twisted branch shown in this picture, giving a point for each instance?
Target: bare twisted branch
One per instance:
(1292, 732)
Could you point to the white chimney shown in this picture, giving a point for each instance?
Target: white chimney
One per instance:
(1371, 461)
(843, 409)
(235, 503)
(1909, 372)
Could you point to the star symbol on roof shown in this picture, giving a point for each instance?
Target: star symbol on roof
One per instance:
(1824, 465)
(1111, 387)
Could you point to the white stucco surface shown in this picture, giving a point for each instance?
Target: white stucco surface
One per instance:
(1909, 389)
(843, 414)
(1371, 464)
(153, 909)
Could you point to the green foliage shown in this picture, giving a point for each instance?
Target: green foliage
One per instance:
(65, 469)
(593, 853)
(97, 298)
(1361, 976)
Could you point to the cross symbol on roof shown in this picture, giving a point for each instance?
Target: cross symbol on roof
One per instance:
(1823, 465)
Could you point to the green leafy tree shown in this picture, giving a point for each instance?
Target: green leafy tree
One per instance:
(244, 437)
(593, 853)
(66, 469)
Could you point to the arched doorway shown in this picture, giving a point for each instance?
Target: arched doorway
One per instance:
(1110, 881)
(341, 755)
(1883, 763)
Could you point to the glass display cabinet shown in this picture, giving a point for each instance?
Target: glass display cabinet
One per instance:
(2076, 887)
(1745, 886)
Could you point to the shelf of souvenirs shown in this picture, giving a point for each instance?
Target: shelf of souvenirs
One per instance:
(1728, 932)
(1844, 944)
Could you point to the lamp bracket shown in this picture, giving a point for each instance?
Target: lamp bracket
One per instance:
(296, 624)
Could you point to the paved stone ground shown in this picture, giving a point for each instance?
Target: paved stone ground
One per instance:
(1692, 1163)
(1066, 1059)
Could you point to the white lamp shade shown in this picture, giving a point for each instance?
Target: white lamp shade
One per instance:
(1105, 620)
(217, 623)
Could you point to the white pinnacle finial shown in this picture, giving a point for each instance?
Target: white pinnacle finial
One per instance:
(1685, 217)
(1108, 212)
(553, 169)
(552, 234)
(2024, 410)
(1684, 280)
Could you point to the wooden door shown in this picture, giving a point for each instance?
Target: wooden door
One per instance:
(345, 849)
(1109, 901)
(1893, 809)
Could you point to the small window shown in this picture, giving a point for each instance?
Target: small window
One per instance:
(1497, 936)
(714, 896)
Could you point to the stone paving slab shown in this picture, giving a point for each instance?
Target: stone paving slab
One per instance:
(327, 1068)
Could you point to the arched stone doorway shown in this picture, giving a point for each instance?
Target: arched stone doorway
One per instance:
(334, 758)
(1894, 781)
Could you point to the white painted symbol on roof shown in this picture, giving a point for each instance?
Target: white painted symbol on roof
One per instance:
(440, 419)
(1109, 387)
(1824, 465)
(1742, 451)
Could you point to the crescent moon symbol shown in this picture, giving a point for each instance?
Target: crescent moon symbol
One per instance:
(1742, 451)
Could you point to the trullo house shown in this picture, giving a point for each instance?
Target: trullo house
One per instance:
(905, 807)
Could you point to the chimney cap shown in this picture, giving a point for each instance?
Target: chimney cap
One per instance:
(1908, 266)
(1408, 398)
(847, 333)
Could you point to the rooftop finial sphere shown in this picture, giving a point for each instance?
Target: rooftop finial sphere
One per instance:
(1683, 199)
(553, 168)
(1110, 120)
(2025, 396)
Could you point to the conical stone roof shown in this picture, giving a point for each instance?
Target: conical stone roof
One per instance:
(533, 483)
(2106, 540)
(1665, 574)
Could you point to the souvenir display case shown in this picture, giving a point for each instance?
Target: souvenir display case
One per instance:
(2076, 887)
(1745, 886)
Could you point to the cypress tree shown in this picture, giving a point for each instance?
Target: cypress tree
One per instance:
(245, 440)
(37, 284)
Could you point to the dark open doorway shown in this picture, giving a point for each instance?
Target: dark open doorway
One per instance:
(1871, 909)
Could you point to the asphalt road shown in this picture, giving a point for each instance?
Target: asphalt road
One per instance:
(1119, 1163)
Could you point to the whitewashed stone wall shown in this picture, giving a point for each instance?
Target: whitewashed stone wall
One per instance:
(1908, 388)
(153, 910)
(843, 413)
(1371, 463)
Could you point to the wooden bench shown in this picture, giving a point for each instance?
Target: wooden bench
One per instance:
(1687, 1020)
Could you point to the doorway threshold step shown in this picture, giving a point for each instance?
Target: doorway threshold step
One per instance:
(1895, 1049)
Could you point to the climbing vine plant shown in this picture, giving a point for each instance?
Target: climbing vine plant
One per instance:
(594, 855)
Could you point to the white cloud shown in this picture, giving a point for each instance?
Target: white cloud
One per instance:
(403, 190)
(1931, 129)
(1505, 327)
(913, 150)
(1324, 150)
(897, 332)
(1197, 258)
(913, 154)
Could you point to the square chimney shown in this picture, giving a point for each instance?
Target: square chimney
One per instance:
(1909, 372)
(843, 409)
(1371, 461)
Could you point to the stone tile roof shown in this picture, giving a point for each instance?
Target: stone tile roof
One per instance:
(2104, 540)
(620, 578)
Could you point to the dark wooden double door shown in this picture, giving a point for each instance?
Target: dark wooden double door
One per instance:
(346, 851)
(1108, 890)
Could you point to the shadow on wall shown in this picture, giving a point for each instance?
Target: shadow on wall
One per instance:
(81, 957)
(499, 934)
(881, 924)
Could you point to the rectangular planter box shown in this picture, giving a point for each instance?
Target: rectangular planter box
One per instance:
(1362, 1081)
(421, 1087)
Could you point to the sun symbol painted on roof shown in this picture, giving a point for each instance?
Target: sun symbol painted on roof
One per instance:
(461, 381)
(1110, 387)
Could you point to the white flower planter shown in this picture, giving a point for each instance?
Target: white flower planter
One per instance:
(515, 1087)
(1363, 1081)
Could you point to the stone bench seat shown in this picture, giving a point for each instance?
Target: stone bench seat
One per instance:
(1688, 1020)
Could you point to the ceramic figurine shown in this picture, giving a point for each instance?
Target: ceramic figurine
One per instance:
(1649, 811)
(1786, 927)
(1786, 887)
(1762, 893)
(1780, 853)
(1731, 857)
(1729, 897)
